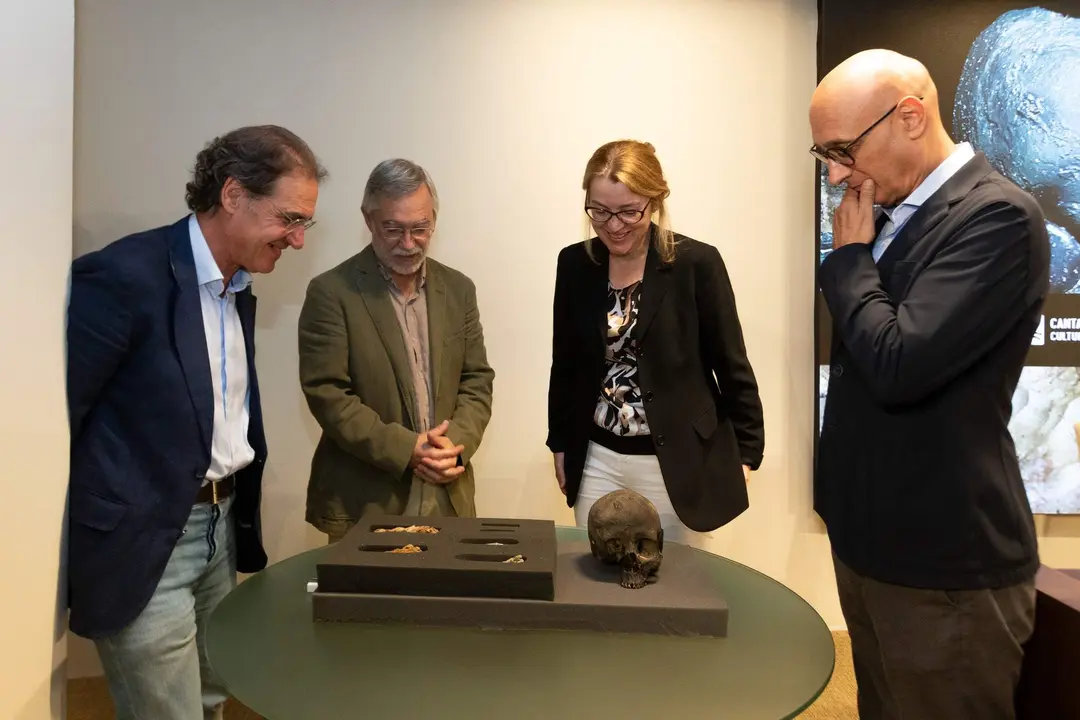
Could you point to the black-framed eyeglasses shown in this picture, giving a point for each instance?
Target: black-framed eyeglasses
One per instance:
(602, 215)
(843, 154)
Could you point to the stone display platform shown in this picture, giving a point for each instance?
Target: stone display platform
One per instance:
(467, 557)
(685, 600)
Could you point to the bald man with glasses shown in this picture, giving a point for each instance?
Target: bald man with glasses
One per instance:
(935, 284)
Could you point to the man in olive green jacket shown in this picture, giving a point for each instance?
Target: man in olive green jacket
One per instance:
(393, 367)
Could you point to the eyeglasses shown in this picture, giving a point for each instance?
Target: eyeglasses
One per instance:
(292, 221)
(396, 232)
(843, 154)
(294, 224)
(602, 215)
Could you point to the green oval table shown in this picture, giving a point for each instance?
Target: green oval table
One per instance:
(275, 659)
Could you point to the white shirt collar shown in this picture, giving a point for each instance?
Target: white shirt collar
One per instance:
(933, 182)
(206, 268)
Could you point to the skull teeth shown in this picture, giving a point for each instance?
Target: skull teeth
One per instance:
(632, 578)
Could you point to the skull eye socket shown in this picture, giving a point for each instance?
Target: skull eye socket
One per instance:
(614, 546)
(648, 547)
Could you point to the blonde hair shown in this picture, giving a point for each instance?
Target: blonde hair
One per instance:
(635, 165)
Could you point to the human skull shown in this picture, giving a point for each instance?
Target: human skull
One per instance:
(624, 529)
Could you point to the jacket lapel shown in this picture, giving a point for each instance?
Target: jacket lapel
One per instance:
(653, 287)
(879, 221)
(245, 309)
(188, 333)
(376, 297)
(246, 303)
(436, 312)
(934, 210)
(597, 299)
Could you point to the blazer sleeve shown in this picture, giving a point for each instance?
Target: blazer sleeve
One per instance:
(960, 305)
(324, 378)
(473, 409)
(725, 354)
(560, 378)
(99, 329)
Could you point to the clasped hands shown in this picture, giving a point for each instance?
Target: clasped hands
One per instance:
(853, 221)
(435, 457)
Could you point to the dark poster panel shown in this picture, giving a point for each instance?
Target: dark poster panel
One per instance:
(1008, 76)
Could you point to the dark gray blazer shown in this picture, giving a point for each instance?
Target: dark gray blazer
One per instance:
(917, 478)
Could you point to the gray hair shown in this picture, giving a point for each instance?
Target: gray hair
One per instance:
(394, 179)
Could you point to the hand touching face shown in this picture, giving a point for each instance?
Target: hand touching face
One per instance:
(853, 221)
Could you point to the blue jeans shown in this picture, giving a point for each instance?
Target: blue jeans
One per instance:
(156, 666)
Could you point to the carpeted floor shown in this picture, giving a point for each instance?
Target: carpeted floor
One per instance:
(88, 698)
(838, 700)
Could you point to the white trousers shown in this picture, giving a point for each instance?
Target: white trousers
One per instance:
(607, 470)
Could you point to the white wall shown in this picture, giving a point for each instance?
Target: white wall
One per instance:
(36, 110)
(503, 103)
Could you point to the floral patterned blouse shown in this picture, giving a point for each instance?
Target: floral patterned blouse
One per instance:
(620, 409)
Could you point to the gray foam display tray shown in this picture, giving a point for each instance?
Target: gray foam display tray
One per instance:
(457, 561)
(684, 601)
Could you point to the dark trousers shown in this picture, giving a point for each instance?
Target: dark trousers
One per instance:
(935, 654)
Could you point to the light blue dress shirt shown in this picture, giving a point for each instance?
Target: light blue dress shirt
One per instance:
(230, 449)
(900, 214)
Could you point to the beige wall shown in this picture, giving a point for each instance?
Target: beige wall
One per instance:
(503, 103)
(36, 87)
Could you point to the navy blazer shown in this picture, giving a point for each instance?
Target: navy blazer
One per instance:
(917, 477)
(140, 403)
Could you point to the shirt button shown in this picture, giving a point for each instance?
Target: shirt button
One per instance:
(648, 396)
(660, 440)
(838, 370)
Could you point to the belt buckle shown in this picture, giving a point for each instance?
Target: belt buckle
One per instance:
(213, 492)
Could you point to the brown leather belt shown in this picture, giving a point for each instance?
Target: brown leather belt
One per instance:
(214, 492)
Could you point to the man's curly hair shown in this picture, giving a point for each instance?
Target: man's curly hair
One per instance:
(255, 156)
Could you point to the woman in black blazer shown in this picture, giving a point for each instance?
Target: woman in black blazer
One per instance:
(650, 385)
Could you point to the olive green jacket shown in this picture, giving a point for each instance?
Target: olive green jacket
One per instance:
(355, 375)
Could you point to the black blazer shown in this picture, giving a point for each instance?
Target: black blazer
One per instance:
(141, 412)
(917, 477)
(704, 426)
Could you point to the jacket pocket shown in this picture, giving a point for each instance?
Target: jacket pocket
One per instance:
(95, 511)
(706, 423)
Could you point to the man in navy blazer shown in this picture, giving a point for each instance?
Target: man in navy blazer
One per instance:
(934, 302)
(167, 443)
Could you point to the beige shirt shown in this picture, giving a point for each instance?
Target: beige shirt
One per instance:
(411, 311)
